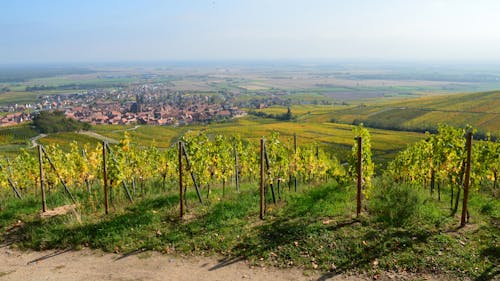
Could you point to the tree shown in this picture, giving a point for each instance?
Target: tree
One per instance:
(288, 114)
(55, 121)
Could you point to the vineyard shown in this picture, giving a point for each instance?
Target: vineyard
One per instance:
(219, 185)
(132, 169)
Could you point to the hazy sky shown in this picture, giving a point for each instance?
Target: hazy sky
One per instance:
(110, 30)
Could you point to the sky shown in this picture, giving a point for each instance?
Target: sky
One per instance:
(58, 31)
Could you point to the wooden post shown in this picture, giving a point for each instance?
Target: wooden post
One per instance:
(268, 166)
(295, 149)
(105, 177)
(236, 171)
(466, 181)
(133, 185)
(42, 188)
(360, 176)
(16, 192)
(181, 189)
(193, 176)
(433, 181)
(123, 182)
(59, 176)
(262, 181)
(84, 156)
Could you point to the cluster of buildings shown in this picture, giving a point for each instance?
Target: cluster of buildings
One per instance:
(14, 118)
(152, 104)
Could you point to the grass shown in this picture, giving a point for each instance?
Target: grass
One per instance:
(314, 228)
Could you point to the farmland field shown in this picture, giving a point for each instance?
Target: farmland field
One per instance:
(481, 110)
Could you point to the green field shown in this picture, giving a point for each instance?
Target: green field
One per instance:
(22, 97)
(61, 84)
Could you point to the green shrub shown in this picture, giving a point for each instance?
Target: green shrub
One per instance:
(395, 204)
(490, 208)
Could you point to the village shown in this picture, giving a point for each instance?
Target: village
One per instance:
(151, 104)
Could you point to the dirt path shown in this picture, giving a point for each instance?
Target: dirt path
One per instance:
(98, 136)
(104, 138)
(129, 129)
(34, 140)
(95, 265)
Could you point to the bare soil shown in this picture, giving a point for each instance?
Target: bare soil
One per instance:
(95, 265)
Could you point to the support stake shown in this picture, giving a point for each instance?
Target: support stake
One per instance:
(193, 176)
(181, 189)
(295, 150)
(266, 156)
(360, 176)
(59, 176)
(236, 170)
(42, 188)
(262, 210)
(105, 177)
(466, 181)
(123, 182)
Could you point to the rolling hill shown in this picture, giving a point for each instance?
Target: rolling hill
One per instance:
(481, 110)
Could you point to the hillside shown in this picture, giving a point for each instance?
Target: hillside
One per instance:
(481, 110)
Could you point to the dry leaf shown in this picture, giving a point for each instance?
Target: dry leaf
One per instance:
(327, 221)
(333, 267)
